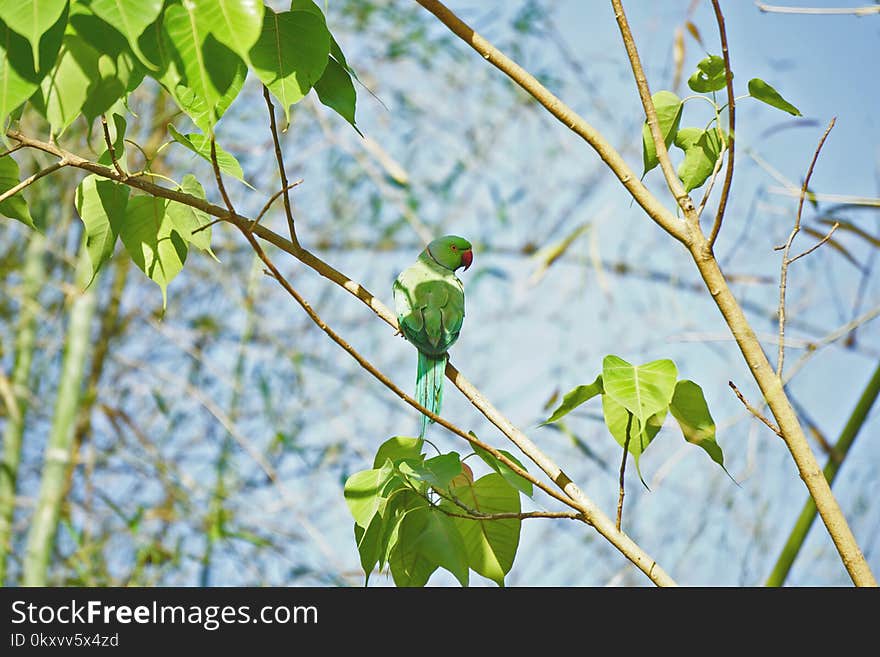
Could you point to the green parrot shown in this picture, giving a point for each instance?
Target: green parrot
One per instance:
(429, 300)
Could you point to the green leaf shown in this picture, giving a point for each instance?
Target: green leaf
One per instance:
(689, 407)
(19, 79)
(490, 545)
(32, 19)
(187, 219)
(101, 205)
(290, 70)
(152, 242)
(644, 390)
(668, 107)
(617, 418)
(66, 88)
(701, 150)
(437, 471)
(131, 17)
(212, 73)
(234, 23)
(709, 76)
(397, 449)
(336, 90)
(398, 503)
(504, 470)
(363, 493)
(15, 207)
(762, 91)
(118, 70)
(427, 539)
(201, 146)
(442, 469)
(574, 398)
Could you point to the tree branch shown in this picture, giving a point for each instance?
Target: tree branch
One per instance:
(783, 273)
(856, 11)
(279, 157)
(30, 180)
(754, 411)
(681, 197)
(663, 217)
(731, 126)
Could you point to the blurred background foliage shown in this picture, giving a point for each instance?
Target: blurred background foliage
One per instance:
(212, 440)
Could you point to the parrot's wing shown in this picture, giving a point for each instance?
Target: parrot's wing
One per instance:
(430, 308)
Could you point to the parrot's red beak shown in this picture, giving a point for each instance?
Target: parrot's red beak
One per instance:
(467, 257)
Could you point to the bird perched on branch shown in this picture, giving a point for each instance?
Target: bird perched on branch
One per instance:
(429, 300)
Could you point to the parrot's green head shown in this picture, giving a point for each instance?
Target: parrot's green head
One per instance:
(451, 251)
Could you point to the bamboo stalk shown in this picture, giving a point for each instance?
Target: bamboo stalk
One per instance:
(58, 457)
(33, 278)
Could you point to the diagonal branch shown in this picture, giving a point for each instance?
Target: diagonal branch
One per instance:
(681, 196)
(567, 116)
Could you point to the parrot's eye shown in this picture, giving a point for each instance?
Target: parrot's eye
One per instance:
(454, 248)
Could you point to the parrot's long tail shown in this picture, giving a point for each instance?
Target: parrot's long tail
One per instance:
(429, 385)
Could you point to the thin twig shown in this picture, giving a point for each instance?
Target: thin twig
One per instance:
(710, 186)
(817, 244)
(279, 157)
(855, 11)
(751, 409)
(110, 148)
(219, 178)
(731, 126)
(10, 151)
(629, 419)
(271, 200)
(30, 180)
(783, 273)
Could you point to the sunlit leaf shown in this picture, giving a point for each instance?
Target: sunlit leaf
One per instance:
(131, 17)
(709, 76)
(15, 207)
(152, 241)
(235, 23)
(427, 539)
(504, 470)
(621, 423)
(336, 90)
(189, 220)
(101, 206)
(689, 407)
(575, 398)
(762, 91)
(668, 107)
(701, 150)
(201, 146)
(291, 54)
(212, 73)
(643, 390)
(398, 448)
(490, 545)
(19, 79)
(363, 493)
(32, 19)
